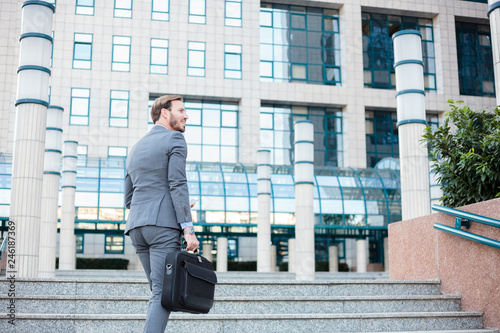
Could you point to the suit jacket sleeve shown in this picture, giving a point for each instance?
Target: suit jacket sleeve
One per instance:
(129, 191)
(179, 192)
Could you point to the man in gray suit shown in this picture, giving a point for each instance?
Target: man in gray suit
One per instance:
(156, 192)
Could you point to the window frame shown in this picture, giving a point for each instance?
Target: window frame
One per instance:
(190, 51)
(111, 100)
(123, 12)
(84, 7)
(232, 53)
(114, 63)
(82, 42)
(73, 100)
(159, 14)
(153, 47)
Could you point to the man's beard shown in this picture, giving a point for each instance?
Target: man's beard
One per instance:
(176, 125)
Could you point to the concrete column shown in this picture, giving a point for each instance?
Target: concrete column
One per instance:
(291, 255)
(272, 259)
(29, 134)
(222, 254)
(494, 16)
(304, 215)
(333, 256)
(386, 254)
(410, 95)
(50, 194)
(207, 251)
(67, 249)
(361, 256)
(264, 211)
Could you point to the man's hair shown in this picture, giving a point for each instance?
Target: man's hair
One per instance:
(163, 102)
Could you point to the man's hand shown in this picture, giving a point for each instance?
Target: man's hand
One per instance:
(191, 240)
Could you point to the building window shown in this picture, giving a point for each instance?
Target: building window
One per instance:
(475, 59)
(212, 131)
(196, 59)
(150, 121)
(382, 138)
(159, 56)
(79, 109)
(118, 108)
(121, 54)
(233, 13)
(84, 7)
(117, 151)
(161, 10)
(82, 51)
(299, 44)
(82, 150)
(79, 243)
(232, 61)
(378, 50)
(197, 11)
(123, 8)
(114, 244)
(276, 133)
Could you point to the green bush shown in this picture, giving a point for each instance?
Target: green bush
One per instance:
(239, 266)
(466, 158)
(99, 263)
(320, 266)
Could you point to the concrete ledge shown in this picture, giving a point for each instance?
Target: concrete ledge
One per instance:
(417, 251)
(368, 322)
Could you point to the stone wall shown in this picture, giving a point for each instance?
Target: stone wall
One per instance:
(417, 251)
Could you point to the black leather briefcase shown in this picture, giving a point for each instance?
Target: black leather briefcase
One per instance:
(188, 283)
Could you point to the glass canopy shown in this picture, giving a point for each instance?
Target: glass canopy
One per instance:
(227, 193)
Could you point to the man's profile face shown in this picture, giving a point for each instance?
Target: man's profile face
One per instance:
(177, 117)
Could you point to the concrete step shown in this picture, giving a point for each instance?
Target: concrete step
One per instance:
(107, 273)
(81, 304)
(123, 287)
(243, 323)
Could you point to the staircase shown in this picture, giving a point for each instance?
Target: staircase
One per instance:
(249, 302)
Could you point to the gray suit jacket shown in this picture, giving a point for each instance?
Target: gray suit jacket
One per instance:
(156, 189)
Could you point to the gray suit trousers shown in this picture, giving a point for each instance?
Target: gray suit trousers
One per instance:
(152, 244)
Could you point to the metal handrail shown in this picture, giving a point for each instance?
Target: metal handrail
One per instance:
(3, 247)
(467, 216)
(463, 219)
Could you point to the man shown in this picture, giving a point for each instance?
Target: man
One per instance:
(156, 192)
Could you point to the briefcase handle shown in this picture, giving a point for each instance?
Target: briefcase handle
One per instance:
(184, 246)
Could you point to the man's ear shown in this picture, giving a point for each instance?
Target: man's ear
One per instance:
(164, 113)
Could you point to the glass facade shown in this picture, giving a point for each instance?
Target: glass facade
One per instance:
(212, 131)
(276, 133)
(121, 54)
(227, 193)
(475, 59)
(299, 44)
(382, 139)
(82, 51)
(115, 244)
(80, 105)
(160, 10)
(378, 50)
